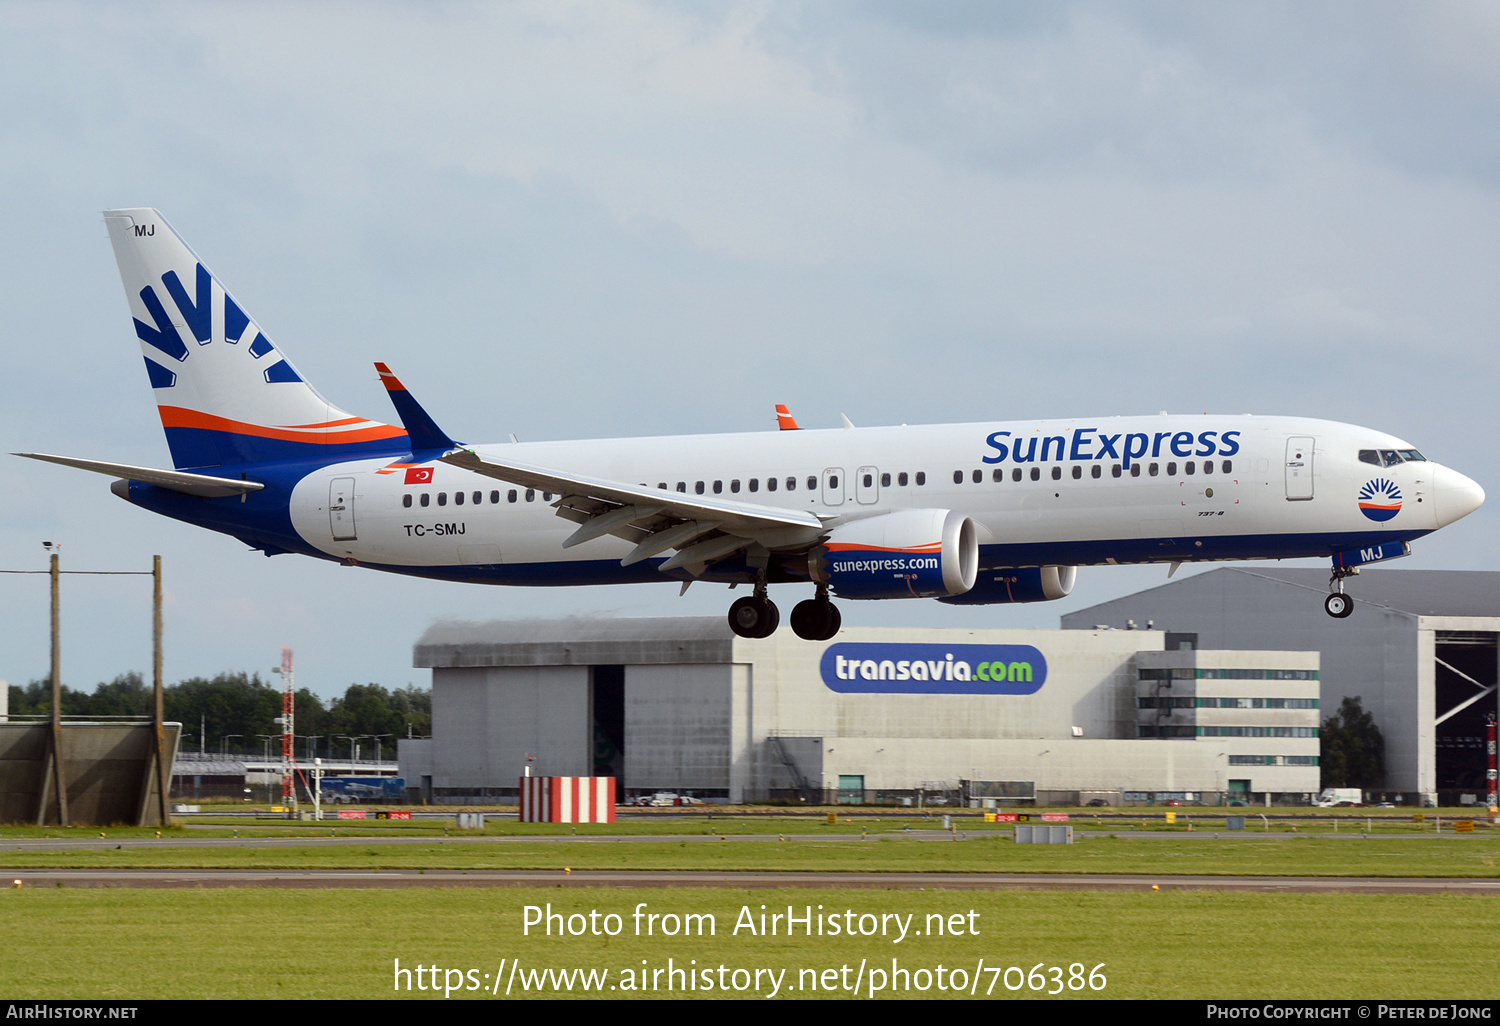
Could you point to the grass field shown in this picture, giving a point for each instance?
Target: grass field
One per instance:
(256, 943)
(1284, 855)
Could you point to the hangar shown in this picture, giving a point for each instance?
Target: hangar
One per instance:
(873, 715)
(1419, 650)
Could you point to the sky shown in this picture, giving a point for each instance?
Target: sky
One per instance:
(580, 220)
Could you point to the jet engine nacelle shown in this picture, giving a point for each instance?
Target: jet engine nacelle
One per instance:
(914, 553)
(1027, 584)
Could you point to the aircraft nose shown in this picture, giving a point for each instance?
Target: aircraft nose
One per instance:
(1456, 496)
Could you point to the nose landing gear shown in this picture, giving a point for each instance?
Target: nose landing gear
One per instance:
(1337, 604)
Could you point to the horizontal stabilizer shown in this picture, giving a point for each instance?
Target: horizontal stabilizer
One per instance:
(175, 480)
(420, 428)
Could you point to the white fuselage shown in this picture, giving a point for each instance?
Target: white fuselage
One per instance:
(1112, 490)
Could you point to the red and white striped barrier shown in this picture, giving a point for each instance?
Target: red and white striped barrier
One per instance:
(567, 799)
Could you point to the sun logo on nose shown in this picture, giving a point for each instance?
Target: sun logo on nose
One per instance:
(1380, 500)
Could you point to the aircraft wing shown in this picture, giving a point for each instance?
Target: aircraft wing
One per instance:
(202, 485)
(701, 528)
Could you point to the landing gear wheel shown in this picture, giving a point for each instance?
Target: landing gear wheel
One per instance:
(1338, 605)
(816, 620)
(754, 617)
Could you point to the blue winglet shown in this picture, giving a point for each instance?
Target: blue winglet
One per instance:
(420, 428)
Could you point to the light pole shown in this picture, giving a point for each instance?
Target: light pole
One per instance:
(224, 745)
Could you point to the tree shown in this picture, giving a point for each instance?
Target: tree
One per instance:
(1353, 750)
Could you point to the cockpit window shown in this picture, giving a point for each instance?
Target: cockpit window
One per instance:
(1390, 457)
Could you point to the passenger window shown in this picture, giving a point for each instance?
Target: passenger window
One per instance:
(1015, 475)
(1036, 473)
(901, 479)
(478, 498)
(718, 487)
(1095, 471)
(999, 475)
(442, 498)
(425, 499)
(1077, 472)
(698, 487)
(1114, 471)
(1153, 469)
(755, 484)
(682, 486)
(958, 477)
(531, 495)
(812, 483)
(458, 499)
(978, 476)
(885, 480)
(770, 484)
(546, 496)
(406, 500)
(1208, 466)
(921, 477)
(734, 486)
(495, 498)
(662, 485)
(791, 484)
(1057, 473)
(510, 496)
(833, 482)
(1171, 470)
(1135, 471)
(1226, 467)
(1188, 468)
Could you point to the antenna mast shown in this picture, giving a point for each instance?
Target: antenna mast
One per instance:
(288, 766)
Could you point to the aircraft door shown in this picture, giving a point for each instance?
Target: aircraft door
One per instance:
(867, 486)
(1299, 468)
(341, 508)
(833, 486)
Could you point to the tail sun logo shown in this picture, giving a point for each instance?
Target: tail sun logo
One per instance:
(196, 316)
(1380, 500)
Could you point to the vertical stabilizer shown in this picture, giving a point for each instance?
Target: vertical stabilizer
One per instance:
(226, 394)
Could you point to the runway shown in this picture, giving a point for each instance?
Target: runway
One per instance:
(389, 879)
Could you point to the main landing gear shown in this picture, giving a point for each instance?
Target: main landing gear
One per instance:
(756, 616)
(1337, 604)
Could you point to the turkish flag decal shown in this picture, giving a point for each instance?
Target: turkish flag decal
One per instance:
(419, 475)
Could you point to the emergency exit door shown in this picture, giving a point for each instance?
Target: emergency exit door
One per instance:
(1299, 469)
(341, 508)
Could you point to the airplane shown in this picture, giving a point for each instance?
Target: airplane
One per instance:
(968, 514)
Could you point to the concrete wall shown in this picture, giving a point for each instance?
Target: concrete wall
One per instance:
(108, 769)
